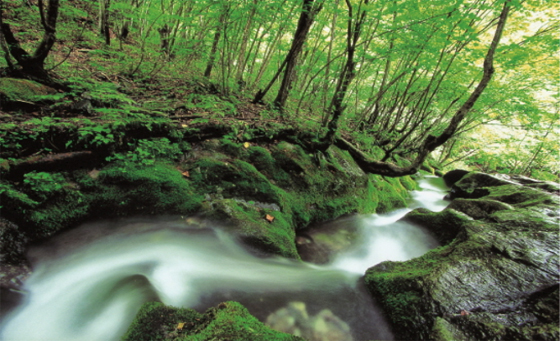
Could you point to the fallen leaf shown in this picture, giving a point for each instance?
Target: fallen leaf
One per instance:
(246, 144)
(186, 174)
(180, 326)
(269, 218)
(184, 125)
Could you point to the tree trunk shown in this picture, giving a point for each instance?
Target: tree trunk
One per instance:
(432, 142)
(104, 21)
(306, 18)
(34, 66)
(347, 74)
(215, 42)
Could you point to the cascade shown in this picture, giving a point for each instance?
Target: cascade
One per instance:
(88, 283)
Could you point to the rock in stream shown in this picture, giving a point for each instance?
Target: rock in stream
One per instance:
(496, 275)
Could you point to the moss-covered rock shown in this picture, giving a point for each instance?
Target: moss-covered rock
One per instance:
(444, 226)
(21, 92)
(244, 184)
(494, 279)
(55, 201)
(156, 321)
(229, 321)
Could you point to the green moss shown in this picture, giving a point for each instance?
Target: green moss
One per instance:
(14, 89)
(426, 167)
(520, 196)
(127, 188)
(155, 321)
(250, 223)
(232, 148)
(66, 210)
(445, 331)
(232, 322)
(408, 183)
(444, 225)
(262, 159)
(51, 209)
(398, 288)
(237, 179)
(390, 194)
(14, 199)
(370, 201)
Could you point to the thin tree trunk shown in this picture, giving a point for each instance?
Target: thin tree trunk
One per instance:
(432, 142)
(216, 40)
(307, 16)
(104, 21)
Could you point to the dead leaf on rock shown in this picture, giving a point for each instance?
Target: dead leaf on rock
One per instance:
(269, 218)
(186, 174)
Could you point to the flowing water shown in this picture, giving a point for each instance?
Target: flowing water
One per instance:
(89, 283)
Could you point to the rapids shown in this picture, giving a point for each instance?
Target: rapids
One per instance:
(88, 283)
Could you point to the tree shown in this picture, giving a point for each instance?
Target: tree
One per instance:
(33, 66)
(348, 71)
(104, 20)
(306, 18)
(432, 142)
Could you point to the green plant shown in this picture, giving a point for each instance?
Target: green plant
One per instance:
(42, 184)
(148, 151)
(96, 135)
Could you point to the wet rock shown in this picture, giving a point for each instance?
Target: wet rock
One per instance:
(495, 278)
(321, 244)
(444, 226)
(478, 208)
(453, 176)
(228, 321)
(475, 185)
(294, 319)
(12, 243)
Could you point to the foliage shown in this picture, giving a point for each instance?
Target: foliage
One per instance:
(43, 184)
(415, 64)
(148, 151)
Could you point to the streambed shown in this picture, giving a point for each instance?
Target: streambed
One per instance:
(89, 283)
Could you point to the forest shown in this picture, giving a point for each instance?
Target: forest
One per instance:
(471, 84)
(247, 170)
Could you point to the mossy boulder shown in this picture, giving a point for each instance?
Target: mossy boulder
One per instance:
(54, 201)
(494, 278)
(21, 93)
(266, 193)
(229, 321)
(444, 226)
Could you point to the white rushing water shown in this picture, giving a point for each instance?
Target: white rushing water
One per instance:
(385, 238)
(89, 283)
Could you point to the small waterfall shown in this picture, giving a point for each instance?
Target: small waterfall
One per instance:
(384, 237)
(89, 283)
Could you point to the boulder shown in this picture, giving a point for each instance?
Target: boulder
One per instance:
(21, 94)
(453, 176)
(496, 277)
(228, 321)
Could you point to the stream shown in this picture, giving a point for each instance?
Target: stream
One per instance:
(88, 283)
